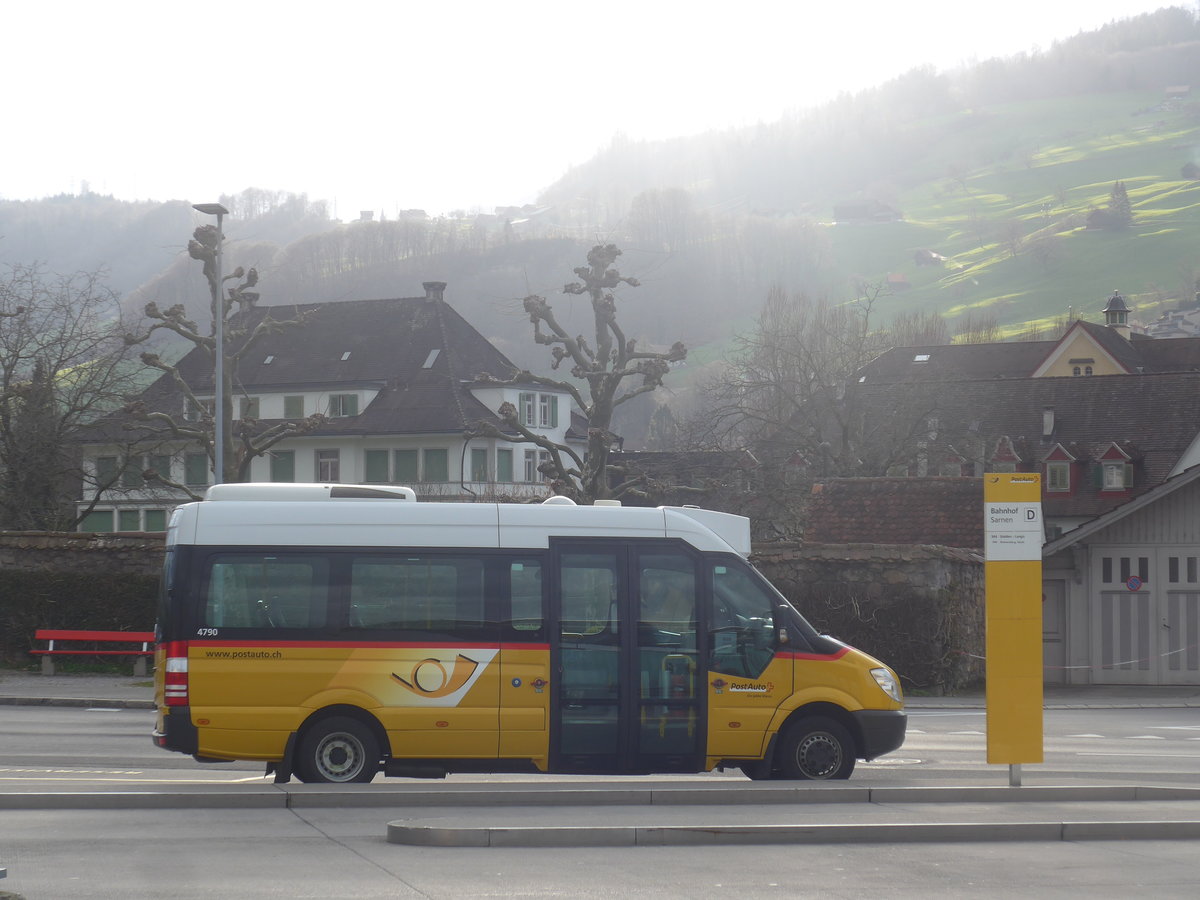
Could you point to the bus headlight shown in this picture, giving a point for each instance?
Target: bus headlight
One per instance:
(887, 681)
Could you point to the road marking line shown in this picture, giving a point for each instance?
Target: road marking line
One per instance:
(1141, 755)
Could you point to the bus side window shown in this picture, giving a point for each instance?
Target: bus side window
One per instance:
(525, 593)
(742, 637)
(421, 593)
(267, 592)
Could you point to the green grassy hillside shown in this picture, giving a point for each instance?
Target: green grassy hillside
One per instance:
(1006, 195)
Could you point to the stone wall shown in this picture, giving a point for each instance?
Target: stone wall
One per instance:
(43, 551)
(920, 609)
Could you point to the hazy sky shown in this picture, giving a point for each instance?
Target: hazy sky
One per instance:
(441, 104)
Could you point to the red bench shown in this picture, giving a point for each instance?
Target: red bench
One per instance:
(56, 636)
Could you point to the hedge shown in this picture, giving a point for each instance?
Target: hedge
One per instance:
(30, 600)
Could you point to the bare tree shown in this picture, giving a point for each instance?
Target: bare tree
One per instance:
(661, 218)
(787, 390)
(62, 365)
(613, 371)
(1046, 249)
(977, 328)
(792, 396)
(246, 438)
(918, 328)
(1011, 233)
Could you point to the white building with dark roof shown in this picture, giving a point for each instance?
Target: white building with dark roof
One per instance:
(396, 383)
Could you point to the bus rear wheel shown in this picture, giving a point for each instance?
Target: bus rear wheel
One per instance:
(815, 749)
(337, 750)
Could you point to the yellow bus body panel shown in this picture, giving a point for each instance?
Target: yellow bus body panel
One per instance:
(432, 701)
(740, 726)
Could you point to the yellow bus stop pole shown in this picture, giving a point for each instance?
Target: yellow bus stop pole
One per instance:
(1013, 535)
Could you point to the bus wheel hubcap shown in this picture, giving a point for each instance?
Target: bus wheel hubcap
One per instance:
(339, 756)
(819, 755)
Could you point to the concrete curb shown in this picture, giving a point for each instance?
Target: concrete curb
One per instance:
(555, 795)
(1044, 822)
(77, 701)
(725, 835)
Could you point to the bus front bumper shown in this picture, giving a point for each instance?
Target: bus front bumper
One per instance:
(882, 731)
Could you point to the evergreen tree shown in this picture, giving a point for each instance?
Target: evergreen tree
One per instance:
(1119, 210)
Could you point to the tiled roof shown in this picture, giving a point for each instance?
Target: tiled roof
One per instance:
(358, 342)
(1158, 413)
(945, 511)
(417, 352)
(1019, 359)
(940, 362)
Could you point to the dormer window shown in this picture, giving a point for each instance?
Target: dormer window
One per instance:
(1058, 475)
(1117, 476)
(538, 410)
(342, 405)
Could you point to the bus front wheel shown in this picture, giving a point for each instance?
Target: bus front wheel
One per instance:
(815, 748)
(338, 750)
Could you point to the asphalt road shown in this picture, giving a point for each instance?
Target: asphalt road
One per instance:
(342, 852)
(70, 748)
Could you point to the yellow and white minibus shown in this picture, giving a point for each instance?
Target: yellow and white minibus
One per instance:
(338, 631)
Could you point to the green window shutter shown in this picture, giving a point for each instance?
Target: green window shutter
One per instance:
(156, 520)
(437, 465)
(129, 520)
(504, 464)
(376, 465)
(405, 466)
(161, 465)
(106, 469)
(97, 520)
(131, 477)
(553, 411)
(283, 465)
(350, 405)
(195, 469)
(1098, 475)
(1128, 476)
(293, 407)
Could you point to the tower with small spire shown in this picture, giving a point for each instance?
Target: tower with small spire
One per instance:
(1116, 315)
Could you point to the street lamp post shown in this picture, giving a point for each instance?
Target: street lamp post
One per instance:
(216, 209)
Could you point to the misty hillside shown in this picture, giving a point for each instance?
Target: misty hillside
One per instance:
(983, 192)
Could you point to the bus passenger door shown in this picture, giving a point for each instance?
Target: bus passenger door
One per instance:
(629, 688)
